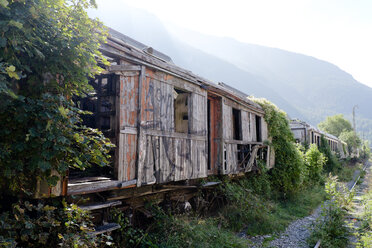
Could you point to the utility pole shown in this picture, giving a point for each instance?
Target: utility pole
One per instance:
(354, 126)
(355, 106)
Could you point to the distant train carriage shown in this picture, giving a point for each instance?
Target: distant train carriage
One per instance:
(307, 134)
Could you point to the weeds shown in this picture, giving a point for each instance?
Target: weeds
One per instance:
(331, 228)
(261, 215)
(170, 231)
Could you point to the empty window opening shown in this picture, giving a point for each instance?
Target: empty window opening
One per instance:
(101, 103)
(181, 111)
(249, 122)
(312, 138)
(224, 158)
(209, 132)
(258, 128)
(237, 127)
(244, 154)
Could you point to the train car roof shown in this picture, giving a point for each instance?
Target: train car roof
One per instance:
(122, 46)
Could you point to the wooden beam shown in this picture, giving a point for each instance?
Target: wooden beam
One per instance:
(141, 138)
(120, 68)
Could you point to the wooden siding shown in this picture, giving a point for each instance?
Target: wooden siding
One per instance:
(128, 99)
(126, 146)
(166, 155)
(231, 147)
(127, 156)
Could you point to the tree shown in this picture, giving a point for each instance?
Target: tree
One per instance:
(352, 139)
(335, 125)
(48, 49)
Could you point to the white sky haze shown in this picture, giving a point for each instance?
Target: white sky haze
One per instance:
(338, 31)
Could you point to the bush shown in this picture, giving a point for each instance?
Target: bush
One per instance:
(48, 49)
(331, 228)
(332, 165)
(37, 224)
(314, 161)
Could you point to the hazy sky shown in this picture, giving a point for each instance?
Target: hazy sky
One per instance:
(338, 31)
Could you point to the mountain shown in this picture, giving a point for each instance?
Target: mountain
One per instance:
(305, 87)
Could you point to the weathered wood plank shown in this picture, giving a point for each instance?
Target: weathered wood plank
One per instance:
(129, 101)
(120, 68)
(245, 126)
(227, 122)
(141, 141)
(100, 205)
(253, 127)
(97, 186)
(265, 131)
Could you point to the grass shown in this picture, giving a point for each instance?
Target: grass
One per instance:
(258, 215)
(346, 171)
(244, 211)
(284, 212)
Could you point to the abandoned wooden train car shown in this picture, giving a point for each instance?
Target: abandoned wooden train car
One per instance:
(307, 134)
(170, 126)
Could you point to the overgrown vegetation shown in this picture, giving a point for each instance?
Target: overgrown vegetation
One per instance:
(331, 227)
(48, 48)
(288, 174)
(364, 232)
(53, 224)
(258, 214)
(333, 164)
(340, 127)
(167, 230)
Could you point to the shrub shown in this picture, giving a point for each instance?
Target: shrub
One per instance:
(330, 227)
(48, 49)
(332, 164)
(314, 161)
(37, 224)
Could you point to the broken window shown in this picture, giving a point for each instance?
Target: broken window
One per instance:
(258, 128)
(237, 127)
(181, 111)
(101, 103)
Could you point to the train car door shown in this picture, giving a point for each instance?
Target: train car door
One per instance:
(214, 133)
